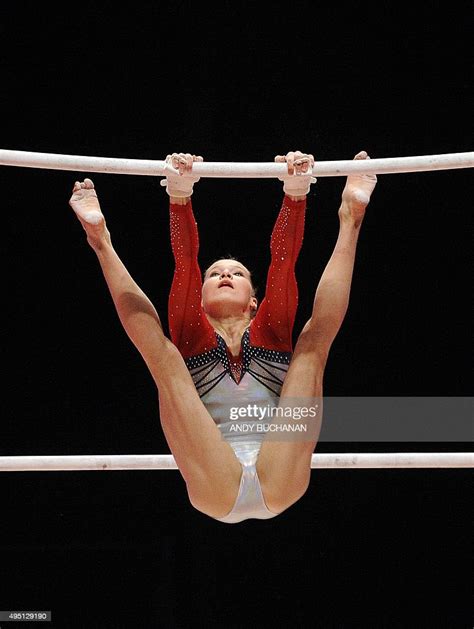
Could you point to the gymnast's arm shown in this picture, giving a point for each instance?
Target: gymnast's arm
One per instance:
(273, 325)
(190, 330)
(136, 312)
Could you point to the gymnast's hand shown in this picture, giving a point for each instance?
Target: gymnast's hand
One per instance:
(179, 180)
(86, 205)
(299, 179)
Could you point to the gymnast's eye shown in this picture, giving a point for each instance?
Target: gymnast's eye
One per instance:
(213, 273)
(239, 273)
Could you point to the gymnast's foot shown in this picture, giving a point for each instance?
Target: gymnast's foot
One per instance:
(356, 194)
(85, 203)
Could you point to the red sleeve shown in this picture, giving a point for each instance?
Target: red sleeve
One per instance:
(190, 330)
(272, 328)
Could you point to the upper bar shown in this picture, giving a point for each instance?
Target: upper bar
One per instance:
(344, 460)
(122, 166)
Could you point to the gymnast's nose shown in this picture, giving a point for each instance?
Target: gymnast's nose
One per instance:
(225, 274)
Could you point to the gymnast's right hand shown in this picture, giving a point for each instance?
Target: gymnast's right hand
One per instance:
(85, 204)
(179, 180)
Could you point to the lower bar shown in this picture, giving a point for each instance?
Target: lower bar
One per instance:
(167, 462)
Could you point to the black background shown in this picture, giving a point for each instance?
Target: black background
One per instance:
(234, 81)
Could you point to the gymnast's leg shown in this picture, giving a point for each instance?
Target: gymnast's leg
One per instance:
(207, 463)
(284, 467)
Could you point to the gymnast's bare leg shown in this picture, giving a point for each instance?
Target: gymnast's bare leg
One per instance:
(207, 463)
(284, 467)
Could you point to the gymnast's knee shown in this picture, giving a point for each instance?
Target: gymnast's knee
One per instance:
(167, 352)
(167, 362)
(313, 338)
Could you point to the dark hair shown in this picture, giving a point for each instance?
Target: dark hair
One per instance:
(229, 256)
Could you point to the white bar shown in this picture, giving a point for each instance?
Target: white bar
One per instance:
(167, 462)
(393, 460)
(123, 166)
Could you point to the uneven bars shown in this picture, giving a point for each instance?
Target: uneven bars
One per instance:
(167, 462)
(123, 166)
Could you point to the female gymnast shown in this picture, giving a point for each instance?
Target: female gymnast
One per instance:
(228, 351)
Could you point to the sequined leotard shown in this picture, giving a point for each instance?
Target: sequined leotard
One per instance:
(256, 376)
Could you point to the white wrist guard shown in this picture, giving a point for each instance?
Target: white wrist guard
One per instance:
(177, 185)
(297, 185)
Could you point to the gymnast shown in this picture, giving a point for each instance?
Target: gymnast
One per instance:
(226, 349)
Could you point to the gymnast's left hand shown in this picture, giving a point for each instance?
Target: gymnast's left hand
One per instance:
(179, 180)
(299, 179)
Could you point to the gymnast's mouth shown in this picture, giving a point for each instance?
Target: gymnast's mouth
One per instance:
(225, 283)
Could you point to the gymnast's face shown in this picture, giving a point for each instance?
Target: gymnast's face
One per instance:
(227, 290)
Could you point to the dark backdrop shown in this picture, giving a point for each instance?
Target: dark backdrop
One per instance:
(232, 82)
